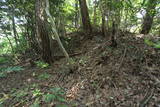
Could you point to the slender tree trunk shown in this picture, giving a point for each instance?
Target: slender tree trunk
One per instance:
(85, 16)
(103, 26)
(42, 31)
(148, 19)
(95, 13)
(55, 31)
(113, 36)
(76, 14)
(63, 29)
(14, 26)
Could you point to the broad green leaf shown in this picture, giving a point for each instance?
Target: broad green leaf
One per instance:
(49, 97)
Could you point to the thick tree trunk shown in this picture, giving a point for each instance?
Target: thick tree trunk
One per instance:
(42, 31)
(85, 16)
(147, 24)
(148, 19)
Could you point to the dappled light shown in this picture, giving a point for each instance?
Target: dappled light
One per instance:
(73, 92)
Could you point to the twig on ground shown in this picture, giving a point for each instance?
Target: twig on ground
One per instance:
(147, 98)
(122, 58)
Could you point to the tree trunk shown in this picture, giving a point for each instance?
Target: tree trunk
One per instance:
(113, 36)
(55, 31)
(148, 19)
(95, 13)
(31, 33)
(63, 29)
(14, 26)
(85, 16)
(103, 27)
(42, 31)
(76, 14)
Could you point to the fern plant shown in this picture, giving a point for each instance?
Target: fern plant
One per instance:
(55, 94)
(5, 70)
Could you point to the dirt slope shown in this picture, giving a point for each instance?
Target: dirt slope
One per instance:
(103, 76)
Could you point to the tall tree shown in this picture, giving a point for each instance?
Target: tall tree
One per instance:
(95, 12)
(103, 17)
(148, 19)
(14, 25)
(85, 16)
(42, 30)
(76, 14)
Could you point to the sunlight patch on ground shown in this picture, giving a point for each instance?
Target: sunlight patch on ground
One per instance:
(140, 36)
(73, 92)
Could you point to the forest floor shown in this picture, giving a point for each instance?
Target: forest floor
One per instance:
(103, 76)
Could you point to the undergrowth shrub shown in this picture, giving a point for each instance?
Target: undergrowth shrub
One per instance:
(153, 44)
(5, 60)
(5, 70)
(41, 64)
(44, 76)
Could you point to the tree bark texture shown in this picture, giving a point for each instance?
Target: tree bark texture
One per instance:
(148, 19)
(42, 31)
(85, 16)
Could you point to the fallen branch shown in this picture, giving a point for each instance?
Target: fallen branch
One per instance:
(122, 58)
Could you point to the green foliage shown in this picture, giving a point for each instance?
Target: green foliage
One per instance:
(2, 74)
(2, 99)
(1, 105)
(22, 46)
(14, 94)
(49, 97)
(157, 45)
(11, 69)
(5, 70)
(44, 76)
(37, 92)
(20, 94)
(83, 60)
(61, 105)
(34, 93)
(56, 94)
(36, 103)
(42, 64)
(3, 60)
(4, 46)
(150, 43)
(94, 84)
(57, 91)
